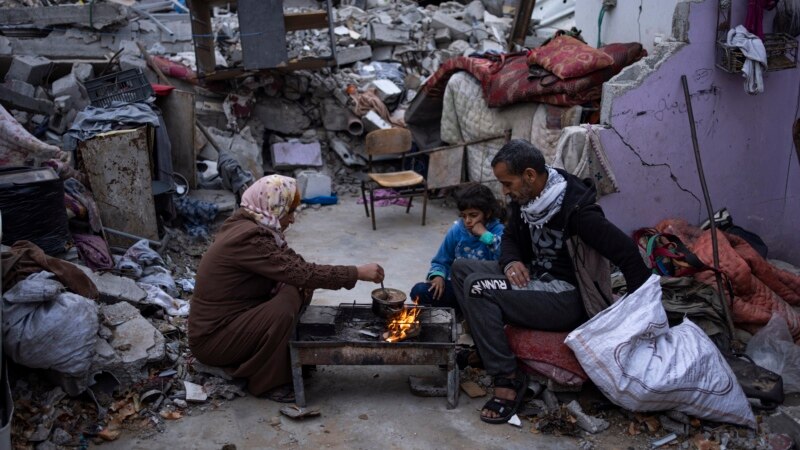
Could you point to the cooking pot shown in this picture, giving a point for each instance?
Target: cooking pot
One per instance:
(387, 302)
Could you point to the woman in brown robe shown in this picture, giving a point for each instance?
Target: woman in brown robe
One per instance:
(251, 286)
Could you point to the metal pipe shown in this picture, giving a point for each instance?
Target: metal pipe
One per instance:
(709, 208)
(151, 17)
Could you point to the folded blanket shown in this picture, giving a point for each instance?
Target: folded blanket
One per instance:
(505, 78)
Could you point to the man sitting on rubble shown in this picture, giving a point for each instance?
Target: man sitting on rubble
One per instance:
(549, 254)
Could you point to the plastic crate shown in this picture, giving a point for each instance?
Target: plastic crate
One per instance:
(127, 86)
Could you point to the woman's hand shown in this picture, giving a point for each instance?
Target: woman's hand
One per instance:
(518, 274)
(437, 287)
(370, 272)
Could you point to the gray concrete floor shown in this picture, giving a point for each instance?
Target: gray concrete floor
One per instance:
(363, 407)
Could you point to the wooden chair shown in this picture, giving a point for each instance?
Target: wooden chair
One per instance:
(408, 183)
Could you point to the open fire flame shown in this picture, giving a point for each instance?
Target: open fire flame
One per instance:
(403, 323)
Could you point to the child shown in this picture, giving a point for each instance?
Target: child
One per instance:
(475, 236)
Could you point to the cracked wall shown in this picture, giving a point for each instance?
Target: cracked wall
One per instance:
(644, 21)
(745, 141)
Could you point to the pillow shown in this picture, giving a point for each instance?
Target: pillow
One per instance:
(567, 57)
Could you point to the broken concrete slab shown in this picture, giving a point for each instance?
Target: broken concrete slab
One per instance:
(387, 91)
(282, 116)
(20, 87)
(387, 35)
(14, 100)
(118, 313)
(443, 36)
(102, 15)
(382, 53)
(83, 71)
(287, 155)
(372, 121)
(30, 69)
(458, 29)
(349, 55)
(334, 116)
(786, 420)
(137, 342)
(113, 288)
(588, 423)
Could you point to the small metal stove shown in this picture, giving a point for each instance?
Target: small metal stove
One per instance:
(351, 334)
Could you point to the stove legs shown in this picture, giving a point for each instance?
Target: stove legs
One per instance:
(297, 377)
(452, 381)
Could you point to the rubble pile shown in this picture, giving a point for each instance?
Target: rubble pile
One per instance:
(384, 52)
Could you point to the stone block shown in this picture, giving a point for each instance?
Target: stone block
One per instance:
(373, 121)
(69, 85)
(127, 61)
(387, 35)
(282, 116)
(334, 116)
(458, 29)
(387, 91)
(349, 55)
(20, 87)
(382, 53)
(30, 69)
(83, 71)
(442, 36)
(786, 421)
(287, 155)
(488, 45)
(314, 184)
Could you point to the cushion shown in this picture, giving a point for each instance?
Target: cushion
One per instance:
(567, 57)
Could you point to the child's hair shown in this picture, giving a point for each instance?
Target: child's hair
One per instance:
(480, 197)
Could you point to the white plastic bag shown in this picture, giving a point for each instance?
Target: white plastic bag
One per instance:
(773, 348)
(640, 363)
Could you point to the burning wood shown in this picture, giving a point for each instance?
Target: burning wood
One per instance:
(404, 324)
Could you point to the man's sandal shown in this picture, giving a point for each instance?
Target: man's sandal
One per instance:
(506, 408)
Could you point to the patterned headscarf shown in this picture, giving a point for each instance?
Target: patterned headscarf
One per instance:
(270, 199)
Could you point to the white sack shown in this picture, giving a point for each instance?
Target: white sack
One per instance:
(641, 364)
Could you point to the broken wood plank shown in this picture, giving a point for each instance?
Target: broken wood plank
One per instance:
(97, 16)
(14, 100)
(306, 20)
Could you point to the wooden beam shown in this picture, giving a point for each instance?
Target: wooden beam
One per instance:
(305, 20)
(522, 20)
(203, 36)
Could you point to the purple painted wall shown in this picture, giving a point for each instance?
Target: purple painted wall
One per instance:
(745, 142)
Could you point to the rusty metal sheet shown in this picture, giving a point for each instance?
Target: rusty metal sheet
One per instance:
(354, 354)
(118, 167)
(178, 111)
(445, 167)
